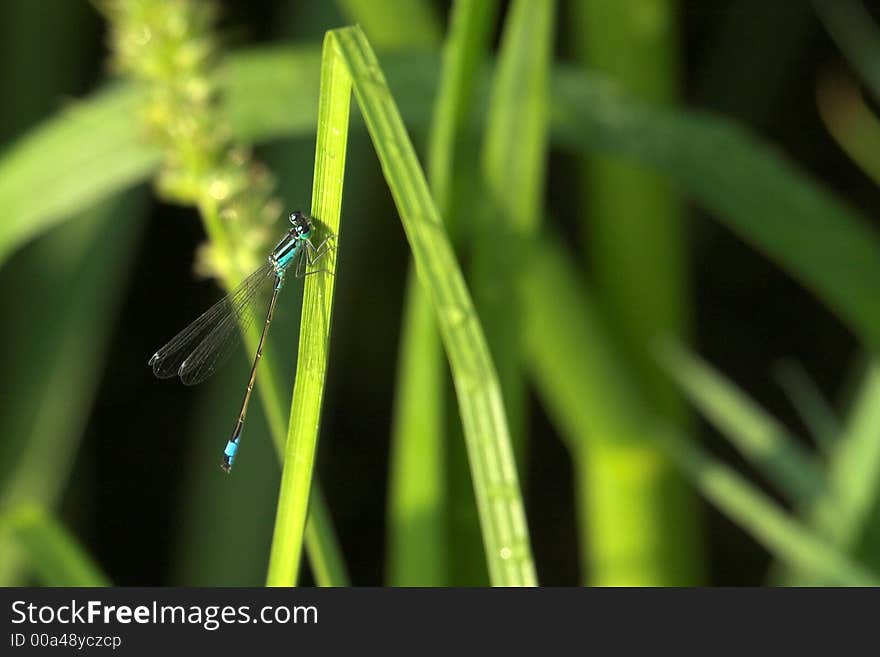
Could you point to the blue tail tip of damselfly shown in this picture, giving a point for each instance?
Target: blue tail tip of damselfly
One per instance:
(229, 454)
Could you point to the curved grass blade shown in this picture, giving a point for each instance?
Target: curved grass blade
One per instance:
(349, 63)
(418, 498)
(69, 312)
(857, 34)
(758, 436)
(499, 501)
(54, 554)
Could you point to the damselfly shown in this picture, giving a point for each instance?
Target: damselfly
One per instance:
(195, 352)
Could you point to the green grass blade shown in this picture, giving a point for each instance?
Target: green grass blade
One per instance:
(514, 163)
(821, 241)
(851, 122)
(592, 400)
(325, 557)
(636, 243)
(850, 24)
(311, 368)
(417, 495)
(793, 543)
(853, 468)
(588, 388)
(66, 290)
(757, 435)
(417, 498)
(814, 410)
(88, 153)
(467, 45)
(49, 549)
(493, 470)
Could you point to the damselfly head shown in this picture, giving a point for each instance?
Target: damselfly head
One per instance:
(302, 224)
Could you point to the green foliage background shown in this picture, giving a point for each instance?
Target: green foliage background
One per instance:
(580, 232)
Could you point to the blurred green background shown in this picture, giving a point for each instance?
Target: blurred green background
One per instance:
(751, 272)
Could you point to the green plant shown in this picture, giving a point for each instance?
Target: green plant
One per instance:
(588, 345)
(350, 65)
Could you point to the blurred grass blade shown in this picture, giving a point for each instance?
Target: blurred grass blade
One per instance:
(325, 558)
(67, 291)
(418, 536)
(853, 469)
(814, 410)
(47, 547)
(592, 400)
(454, 177)
(88, 153)
(850, 25)
(851, 122)
(636, 243)
(757, 435)
(399, 25)
(514, 163)
(470, 33)
(586, 386)
(493, 470)
(821, 241)
(314, 344)
(791, 542)
(417, 495)
(57, 171)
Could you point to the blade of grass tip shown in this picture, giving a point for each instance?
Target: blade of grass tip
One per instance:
(813, 408)
(70, 309)
(853, 468)
(853, 29)
(850, 121)
(55, 556)
(795, 544)
(493, 470)
(399, 25)
(308, 389)
(841, 514)
(756, 434)
(584, 383)
(418, 538)
(634, 230)
(514, 164)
